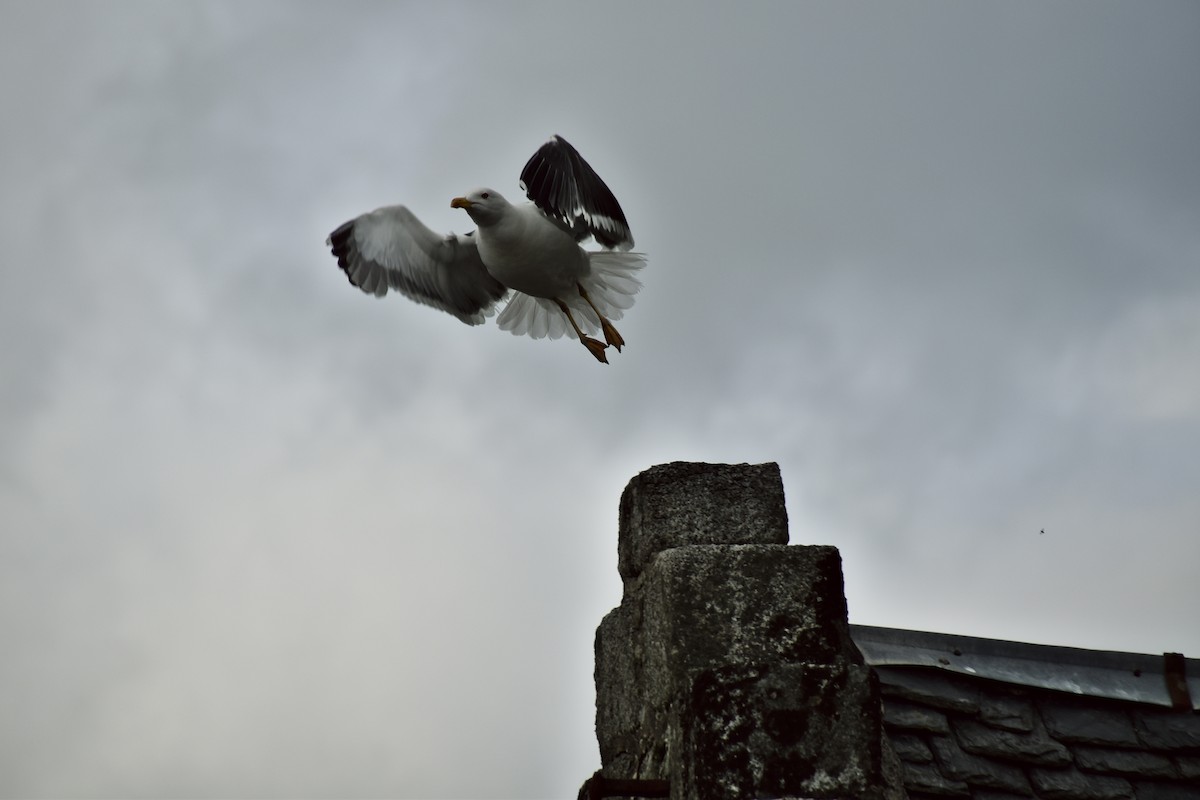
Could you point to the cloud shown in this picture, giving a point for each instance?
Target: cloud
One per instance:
(265, 535)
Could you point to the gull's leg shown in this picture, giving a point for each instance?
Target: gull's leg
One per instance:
(594, 346)
(610, 333)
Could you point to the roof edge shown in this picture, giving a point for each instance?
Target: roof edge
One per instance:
(1134, 677)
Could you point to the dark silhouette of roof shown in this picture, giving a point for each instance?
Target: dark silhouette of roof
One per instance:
(989, 720)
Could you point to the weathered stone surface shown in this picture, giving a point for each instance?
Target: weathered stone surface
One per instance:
(1169, 730)
(710, 605)
(1151, 790)
(1124, 762)
(622, 728)
(927, 779)
(1035, 748)
(911, 748)
(682, 503)
(914, 718)
(702, 608)
(1007, 712)
(977, 771)
(795, 730)
(893, 767)
(722, 657)
(1071, 784)
(1078, 746)
(932, 688)
(1074, 721)
(1189, 767)
(728, 668)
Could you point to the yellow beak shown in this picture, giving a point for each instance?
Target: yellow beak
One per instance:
(460, 202)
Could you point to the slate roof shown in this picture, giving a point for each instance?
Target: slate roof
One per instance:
(994, 720)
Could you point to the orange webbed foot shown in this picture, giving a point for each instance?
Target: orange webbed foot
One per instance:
(596, 348)
(611, 335)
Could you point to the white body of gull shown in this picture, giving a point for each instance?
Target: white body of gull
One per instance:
(530, 253)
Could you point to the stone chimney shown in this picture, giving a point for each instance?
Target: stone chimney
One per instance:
(728, 670)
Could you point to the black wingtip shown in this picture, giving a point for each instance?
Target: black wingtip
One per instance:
(339, 240)
(564, 186)
(340, 244)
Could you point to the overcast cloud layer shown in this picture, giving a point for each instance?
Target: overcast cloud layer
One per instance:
(262, 535)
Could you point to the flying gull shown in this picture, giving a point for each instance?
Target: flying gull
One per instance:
(530, 253)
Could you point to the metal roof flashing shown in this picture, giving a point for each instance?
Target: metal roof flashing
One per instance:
(1168, 680)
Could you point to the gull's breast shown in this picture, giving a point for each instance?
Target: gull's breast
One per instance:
(530, 254)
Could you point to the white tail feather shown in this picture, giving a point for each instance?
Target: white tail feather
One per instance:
(611, 285)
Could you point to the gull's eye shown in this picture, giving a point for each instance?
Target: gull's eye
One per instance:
(484, 195)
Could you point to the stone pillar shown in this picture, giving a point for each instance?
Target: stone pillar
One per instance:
(728, 668)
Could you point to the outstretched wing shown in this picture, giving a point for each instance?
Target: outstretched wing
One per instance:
(390, 248)
(568, 190)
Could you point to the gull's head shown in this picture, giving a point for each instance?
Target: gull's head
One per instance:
(483, 205)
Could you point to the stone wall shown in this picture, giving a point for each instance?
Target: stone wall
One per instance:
(965, 737)
(728, 669)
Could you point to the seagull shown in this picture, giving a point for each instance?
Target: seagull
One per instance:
(529, 253)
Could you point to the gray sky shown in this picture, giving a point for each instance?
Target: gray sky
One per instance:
(262, 535)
